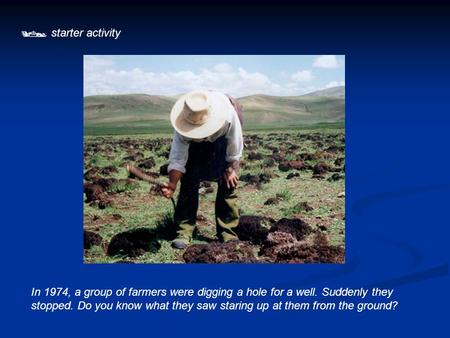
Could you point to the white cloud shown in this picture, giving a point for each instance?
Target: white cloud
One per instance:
(335, 84)
(326, 61)
(303, 76)
(102, 76)
(223, 68)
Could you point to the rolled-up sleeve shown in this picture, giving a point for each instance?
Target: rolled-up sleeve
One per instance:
(179, 152)
(234, 138)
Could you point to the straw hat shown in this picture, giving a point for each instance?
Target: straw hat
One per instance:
(199, 114)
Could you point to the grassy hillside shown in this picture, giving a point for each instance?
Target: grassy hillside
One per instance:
(141, 113)
(338, 91)
(263, 109)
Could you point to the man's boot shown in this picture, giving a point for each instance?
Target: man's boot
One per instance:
(184, 236)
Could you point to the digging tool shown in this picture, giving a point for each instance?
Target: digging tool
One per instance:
(143, 176)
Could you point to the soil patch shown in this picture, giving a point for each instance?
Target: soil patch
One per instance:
(273, 201)
(335, 177)
(216, 252)
(292, 175)
(92, 239)
(254, 156)
(97, 192)
(295, 226)
(252, 229)
(147, 164)
(339, 161)
(257, 180)
(273, 243)
(105, 171)
(97, 196)
(288, 165)
(284, 248)
(320, 169)
(303, 253)
(91, 174)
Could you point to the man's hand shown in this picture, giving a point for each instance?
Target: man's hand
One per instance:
(231, 178)
(168, 189)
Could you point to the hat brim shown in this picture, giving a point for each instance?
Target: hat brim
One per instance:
(218, 116)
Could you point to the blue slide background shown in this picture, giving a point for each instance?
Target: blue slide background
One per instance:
(397, 167)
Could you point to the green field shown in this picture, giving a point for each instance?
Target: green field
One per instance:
(134, 208)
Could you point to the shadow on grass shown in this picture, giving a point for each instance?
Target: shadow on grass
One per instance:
(133, 243)
(202, 238)
(136, 242)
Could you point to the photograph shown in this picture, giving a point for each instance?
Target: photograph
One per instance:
(214, 159)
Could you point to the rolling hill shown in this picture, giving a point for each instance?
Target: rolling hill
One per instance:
(142, 113)
(338, 92)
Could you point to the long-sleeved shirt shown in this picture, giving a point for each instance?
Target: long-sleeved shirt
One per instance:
(232, 130)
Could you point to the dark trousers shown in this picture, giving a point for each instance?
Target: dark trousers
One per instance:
(206, 162)
(226, 209)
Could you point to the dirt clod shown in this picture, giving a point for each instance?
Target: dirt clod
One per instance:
(97, 196)
(292, 175)
(108, 170)
(295, 226)
(335, 177)
(216, 252)
(255, 179)
(147, 164)
(303, 253)
(272, 201)
(254, 156)
(284, 248)
(93, 192)
(288, 165)
(339, 161)
(91, 239)
(252, 229)
(279, 238)
(320, 169)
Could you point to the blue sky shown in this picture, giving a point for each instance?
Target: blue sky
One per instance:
(238, 75)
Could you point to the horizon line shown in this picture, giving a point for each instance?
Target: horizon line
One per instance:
(238, 97)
